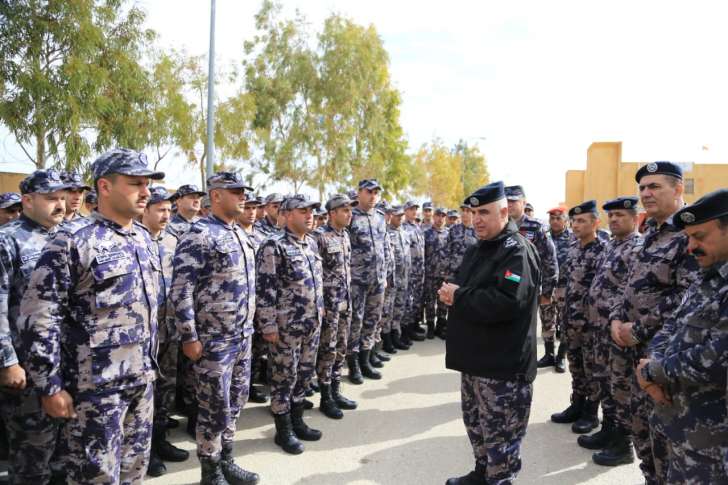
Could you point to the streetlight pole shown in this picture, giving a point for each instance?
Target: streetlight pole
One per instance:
(211, 96)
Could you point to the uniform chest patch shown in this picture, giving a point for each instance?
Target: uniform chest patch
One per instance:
(109, 256)
(334, 247)
(29, 257)
(510, 276)
(510, 242)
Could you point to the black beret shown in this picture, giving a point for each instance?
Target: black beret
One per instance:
(659, 168)
(486, 194)
(621, 203)
(708, 207)
(590, 206)
(515, 192)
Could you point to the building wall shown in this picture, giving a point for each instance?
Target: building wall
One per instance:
(9, 182)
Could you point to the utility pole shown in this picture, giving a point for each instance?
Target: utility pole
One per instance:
(211, 95)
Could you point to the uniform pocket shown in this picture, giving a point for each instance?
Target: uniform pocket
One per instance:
(117, 353)
(114, 284)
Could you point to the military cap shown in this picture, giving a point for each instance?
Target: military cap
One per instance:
(9, 199)
(559, 208)
(396, 210)
(629, 202)
(465, 205)
(188, 189)
(74, 181)
(453, 213)
(206, 202)
(320, 212)
(590, 206)
(659, 168)
(91, 197)
(528, 206)
(427, 206)
(410, 204)
(383, 205)
(159, 194)
(708, 207)
(340, 200)
(441, 210)
(274, 198)
(125, 162)
(352, 194)
(486, 194)
(253, 200)
(299, 201)
(369, 184)
(42, 182)
(227, 180)
(514, 192)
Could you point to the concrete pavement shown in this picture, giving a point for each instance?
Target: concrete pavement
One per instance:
(407, 431)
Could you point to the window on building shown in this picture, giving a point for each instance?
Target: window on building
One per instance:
(689, 186)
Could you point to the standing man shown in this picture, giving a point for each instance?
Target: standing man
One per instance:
(290, 311)
(335, 250)
(582, 264)
(492, 338)
(268, 226)
(395, 307)
(188, 200)
(74, 195)
(452, 218)
(552, 314)
(32, 434)
(427, 210)
(661, 274)
(368, 233)
(416, 283)
(613, 368)
(435, 241)
(213, 294)
(155, 219)
(90, 201)
(685, 371)
(90, 313)
(10, 207)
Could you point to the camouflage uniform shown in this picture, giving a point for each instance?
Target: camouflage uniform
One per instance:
(178, 225)
(435, 241)
(581, 267)
(459, 238)
(395, 304)
(213, 297)
(688, 359)
(290, 302)
(32, 434)
(90, 313)
(613, 369)
(389, 290)
(335, 250)
(661, 273)
(416, 281)
(368, 233)
(265, 228)
(552, 314)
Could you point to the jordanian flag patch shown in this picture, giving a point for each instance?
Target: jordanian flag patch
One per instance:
(512, 276)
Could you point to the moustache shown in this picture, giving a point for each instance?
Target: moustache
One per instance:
(698, 252)
(58, 211)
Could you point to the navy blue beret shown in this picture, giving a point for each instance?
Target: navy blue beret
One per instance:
(621, 203)
(708, 207)
(590, 206)
(659, 168)
(486, 194)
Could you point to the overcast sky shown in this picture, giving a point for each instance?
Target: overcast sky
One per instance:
(539, 80)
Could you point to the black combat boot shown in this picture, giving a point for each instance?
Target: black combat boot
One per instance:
(341, 401)
(285, 438)
(233, 473)
(560, 365)
(588, 419)
(475, 477)
(172, 423)
(352, 361)
(441, 328)
(366, 369)
(211, 472)
(307, 404)
(328, 405)
(257, 395)
(165, 450)
(387, 344)
(570, 414)
(414, 332)
(374, 360)
(156, 466)
(547, 360)
(430, 330)
(403, 339)
(618, 452)
(378, 349)
(300, 428)
(600, 439)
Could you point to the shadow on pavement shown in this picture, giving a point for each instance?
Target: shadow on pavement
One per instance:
(422, 384)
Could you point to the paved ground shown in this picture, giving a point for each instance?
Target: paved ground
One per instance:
(408, 430)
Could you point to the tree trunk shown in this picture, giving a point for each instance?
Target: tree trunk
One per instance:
(40, 149)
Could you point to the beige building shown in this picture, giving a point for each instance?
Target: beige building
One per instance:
(607, 177)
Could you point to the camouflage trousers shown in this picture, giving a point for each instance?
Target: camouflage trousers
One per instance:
(395, 306)
(332, 346)
(579, 348)
(366, 302)
(165, 386)
(551, 316)
(597, 370)
(110, 440)
(223, 378)
(433, 307)
(496, 415)
(621, 375)
(293, 359)
(32, 437)
(416, 291)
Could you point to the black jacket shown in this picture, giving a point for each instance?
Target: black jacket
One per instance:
(492, 323)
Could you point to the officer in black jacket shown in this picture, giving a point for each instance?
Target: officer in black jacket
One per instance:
(491, 337)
